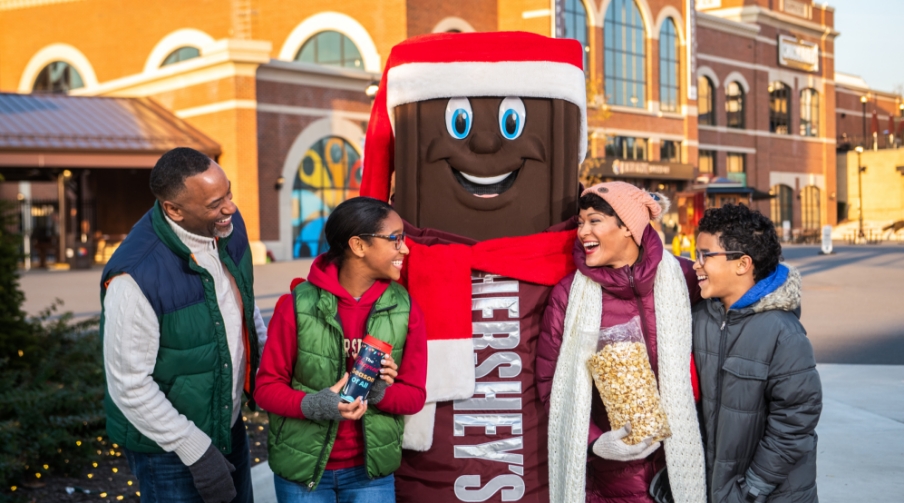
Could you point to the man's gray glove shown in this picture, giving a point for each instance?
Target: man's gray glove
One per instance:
(212, 475)
(321, 406)
(611, 446)
(754, 488)
(377, 392)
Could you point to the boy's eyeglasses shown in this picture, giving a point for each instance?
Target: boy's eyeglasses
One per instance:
(397, 239)
(702, 256)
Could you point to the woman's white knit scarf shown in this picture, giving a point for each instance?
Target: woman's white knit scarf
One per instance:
(572, 386)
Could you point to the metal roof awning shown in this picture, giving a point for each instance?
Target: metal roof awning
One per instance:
(725, 186)
(59, 131)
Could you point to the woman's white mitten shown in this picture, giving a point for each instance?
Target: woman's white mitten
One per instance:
(611, 446)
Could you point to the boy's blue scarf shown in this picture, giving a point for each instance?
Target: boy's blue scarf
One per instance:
(763, 287)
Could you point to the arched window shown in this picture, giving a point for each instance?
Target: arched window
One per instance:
(810, 217)
(781, 205)
(779, 111)
(706, 102)
(330, 48)
(625, 55)
(329, 173)
(668, 67)
(734, 105)
(181, 54)
(809, 112)
(58, 77)
(576, 26)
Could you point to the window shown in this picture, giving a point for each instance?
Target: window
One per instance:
(669, 151)
(329, 173)
(707, 162)
(624, 55)
(668, 67)
(626, 147)
(736, 168)
(781, 205)
(809, 113)
(706, 102)
(58, 77)
(779, 112)
(181, 54)
(809, 208)
(736, 163)
(734, 105)
(576, 26)
(331, 48)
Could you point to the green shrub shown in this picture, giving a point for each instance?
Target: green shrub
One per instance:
(51, 383)
(52, 412)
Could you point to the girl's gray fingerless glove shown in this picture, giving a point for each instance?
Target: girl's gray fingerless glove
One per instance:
(377, 392)
(321, 406)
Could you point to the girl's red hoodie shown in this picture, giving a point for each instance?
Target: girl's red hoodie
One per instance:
(274, 392)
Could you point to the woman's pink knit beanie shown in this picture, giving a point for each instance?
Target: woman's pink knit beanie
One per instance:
(635, 207)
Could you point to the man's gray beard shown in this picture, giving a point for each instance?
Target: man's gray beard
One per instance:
(217, 233)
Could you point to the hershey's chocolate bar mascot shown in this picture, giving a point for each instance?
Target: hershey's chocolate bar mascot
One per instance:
(485, 133)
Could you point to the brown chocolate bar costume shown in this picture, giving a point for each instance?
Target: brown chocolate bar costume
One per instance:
(485, 133)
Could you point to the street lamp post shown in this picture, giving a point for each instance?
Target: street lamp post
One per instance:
(863, 104)
(859, 150)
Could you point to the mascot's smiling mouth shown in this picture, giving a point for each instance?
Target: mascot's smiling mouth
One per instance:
(490, 186)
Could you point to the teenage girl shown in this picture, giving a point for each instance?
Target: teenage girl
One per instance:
(321, 448)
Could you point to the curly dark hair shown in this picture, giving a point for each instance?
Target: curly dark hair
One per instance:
(742, 229)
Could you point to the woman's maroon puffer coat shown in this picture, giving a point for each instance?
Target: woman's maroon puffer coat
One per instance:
(627, 292)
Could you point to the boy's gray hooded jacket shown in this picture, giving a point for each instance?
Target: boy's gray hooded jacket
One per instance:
(761, 396)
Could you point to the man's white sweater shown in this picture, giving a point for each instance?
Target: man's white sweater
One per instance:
(131, 342)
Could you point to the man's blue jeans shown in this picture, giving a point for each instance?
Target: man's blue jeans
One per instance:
(162, 478)
(348, 485)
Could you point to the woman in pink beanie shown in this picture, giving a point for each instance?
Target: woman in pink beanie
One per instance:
(622, 272)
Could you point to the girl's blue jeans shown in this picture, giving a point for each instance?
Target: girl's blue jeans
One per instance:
(348, 485)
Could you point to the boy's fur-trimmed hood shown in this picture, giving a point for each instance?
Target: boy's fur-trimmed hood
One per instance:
(785, 298)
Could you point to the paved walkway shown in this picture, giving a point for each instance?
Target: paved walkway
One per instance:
(861, 437)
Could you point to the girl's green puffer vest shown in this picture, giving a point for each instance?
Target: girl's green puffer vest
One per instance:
(300, 448)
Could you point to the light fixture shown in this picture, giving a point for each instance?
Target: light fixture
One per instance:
(859, 149)
(372, 89)
(863, 99)
(67, 173)
(279, 183)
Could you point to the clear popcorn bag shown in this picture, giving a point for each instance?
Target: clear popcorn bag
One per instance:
(626, 383)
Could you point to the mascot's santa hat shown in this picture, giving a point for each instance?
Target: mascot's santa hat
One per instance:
(468, 65)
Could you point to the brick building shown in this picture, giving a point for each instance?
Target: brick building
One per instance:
(743, 89)
(767, 103)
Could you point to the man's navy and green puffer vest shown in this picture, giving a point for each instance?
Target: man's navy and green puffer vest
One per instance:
(193, 367)
(300, 448)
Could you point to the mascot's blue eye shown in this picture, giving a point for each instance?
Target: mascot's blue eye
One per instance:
(458, 117)
(511, 118)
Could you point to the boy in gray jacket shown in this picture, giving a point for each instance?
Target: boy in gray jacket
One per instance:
(761, 393)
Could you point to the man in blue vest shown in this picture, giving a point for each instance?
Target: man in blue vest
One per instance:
(182, 338)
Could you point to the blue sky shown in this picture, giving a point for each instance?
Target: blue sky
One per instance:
(870, 41)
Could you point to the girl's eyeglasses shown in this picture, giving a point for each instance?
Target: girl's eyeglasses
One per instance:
(397, 239)
(702, 256)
